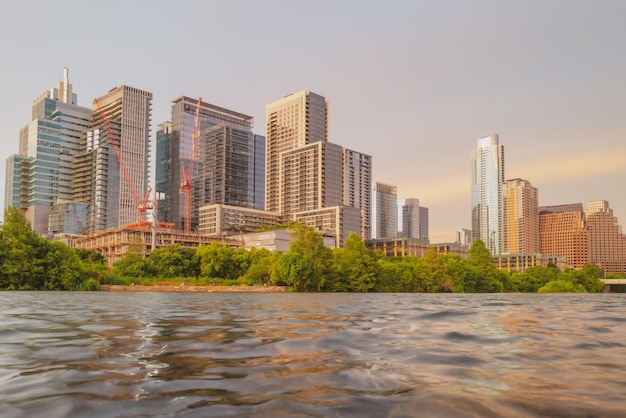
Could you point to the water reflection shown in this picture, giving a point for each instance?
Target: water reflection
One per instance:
(187, 354)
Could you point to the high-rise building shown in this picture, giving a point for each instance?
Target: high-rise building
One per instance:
(414, 219)
(117, 189)
(292, 122)
(487, 177)
(463, 237)
(180, 150)
(357, 186)
(385, 211)
(563, 232)
(162, 170)
(46, 148)
(311, 178)
(607, 247)
(231, 168)
(520, 232)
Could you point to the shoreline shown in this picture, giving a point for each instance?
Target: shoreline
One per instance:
(191, 288)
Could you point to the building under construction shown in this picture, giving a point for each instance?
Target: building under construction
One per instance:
(140, 238)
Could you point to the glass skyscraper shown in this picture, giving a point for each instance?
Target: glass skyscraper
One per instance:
(487, 178)
(47, 146)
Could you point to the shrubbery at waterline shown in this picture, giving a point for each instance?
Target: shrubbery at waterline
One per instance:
(28, 261)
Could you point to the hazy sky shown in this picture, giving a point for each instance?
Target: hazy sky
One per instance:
(412, 83)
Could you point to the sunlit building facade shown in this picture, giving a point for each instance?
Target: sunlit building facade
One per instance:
(487, 177)
(607, 247)
(117, 188)
(357, 186)
(520, 232)
(563, 232)
(292, 122)
(385, 211)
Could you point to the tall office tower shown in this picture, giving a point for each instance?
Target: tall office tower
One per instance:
(47, 146)
(183, 122)
(292, 122)
(563, 232)
(385, 211)
(162, 169)
(520, 234)
(487, 177)
(116, 189)
(357, 186)
(414, 219)
(231, 167)
(607, 247)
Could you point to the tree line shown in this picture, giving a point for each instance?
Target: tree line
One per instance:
(28, 261)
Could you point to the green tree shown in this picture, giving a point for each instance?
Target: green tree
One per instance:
(216, 260)
(483, 276)
(23, 253)
(168, 262)
(64, 268)
(131, 265)
(358, 264)
(562, 286)
(305, 264)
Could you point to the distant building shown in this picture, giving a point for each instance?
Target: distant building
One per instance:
(385, 211)
(463, 237)
(563, 232)
(162, 169)
(399, 246)
(607, 247)
(414, 219)
(218, 220)
(520, 232)
(522, 262)
(277, 240)
(487, 176)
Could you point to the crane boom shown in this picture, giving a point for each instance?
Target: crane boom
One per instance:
(141, 205)
(186, 184)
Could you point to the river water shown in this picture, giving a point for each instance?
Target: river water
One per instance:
(111, 354)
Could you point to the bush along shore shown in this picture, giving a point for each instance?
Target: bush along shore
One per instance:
(30, 262)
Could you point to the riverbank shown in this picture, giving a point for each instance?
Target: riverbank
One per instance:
(189, 288)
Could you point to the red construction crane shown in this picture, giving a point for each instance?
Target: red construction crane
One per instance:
(142, 205)
(185, 185)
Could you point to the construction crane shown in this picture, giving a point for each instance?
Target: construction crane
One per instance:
(185, 185)
(142, 205)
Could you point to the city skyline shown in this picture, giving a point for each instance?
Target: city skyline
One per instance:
(411, 84)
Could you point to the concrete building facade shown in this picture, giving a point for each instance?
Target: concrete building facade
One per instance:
(414, 219)
(607, 243)
(357, 186)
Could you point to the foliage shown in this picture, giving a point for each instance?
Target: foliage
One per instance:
(305, 264)
(562, 286)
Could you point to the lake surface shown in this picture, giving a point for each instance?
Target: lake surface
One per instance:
(110, 354)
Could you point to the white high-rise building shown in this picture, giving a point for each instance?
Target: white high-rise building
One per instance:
(116, 189)
(293, 122)
(487, 178)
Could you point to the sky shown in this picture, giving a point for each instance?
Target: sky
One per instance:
(413, 83)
